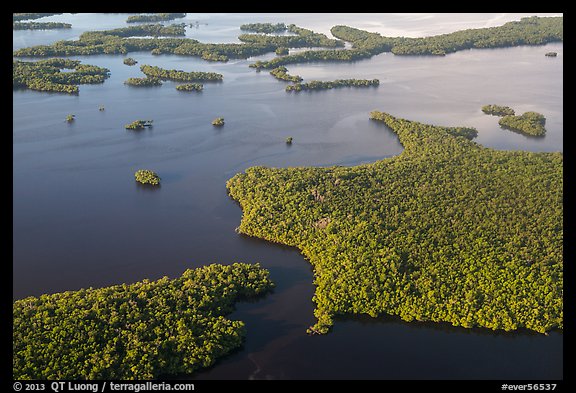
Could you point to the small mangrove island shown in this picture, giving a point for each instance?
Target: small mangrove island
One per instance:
(190, 87)
(530, 123)
(143, 82)
(338, 83)
(46, 75)
(281, 73)
(130, 61)
(218, 122)
(497, 110)
(146, 176)
(139, 124)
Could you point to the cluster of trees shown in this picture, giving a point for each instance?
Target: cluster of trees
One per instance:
(527, 31)
(130, 61)
(302, 38)
(531, 123)
(312, 56)
(218, 122)
(46, 75)
(179, 75)
(324, 85)
(144, 330)
(139, 125)
(119, 41)
(281, 51)
(497, 110)
(146, 176)
(29, 15)
(266, 28)
(154, 17)
(190, 87)
(446, 231)
(40, 25)
(143, 82)
(281, 73)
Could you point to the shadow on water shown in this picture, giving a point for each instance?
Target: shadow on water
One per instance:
(147, 187)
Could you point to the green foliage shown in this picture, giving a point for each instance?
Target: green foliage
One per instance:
(531, 123)
(528, 31)
(281, 51)
(70, 118)
(281, 73)
(138, 331)
(178, 75)
(46, 75)
(497, 110)
(29, 15)
(154, 17)
(146, 176)
(446, 231)
(143, 82)
(302, 38)
(289, 140)
(130, 61)
(266, 28)
(40, 25)
(338, 83)
(139, 125)
(218, 122)
(190, 87)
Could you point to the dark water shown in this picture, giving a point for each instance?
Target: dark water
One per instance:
(80, 220)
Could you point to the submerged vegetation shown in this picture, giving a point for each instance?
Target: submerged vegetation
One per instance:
(139, 124)
(154, 17)
(446, 231)
(146, 176)
(46, 75)
(321, 85)
(138, 331)
(530, 123)
(497, 110)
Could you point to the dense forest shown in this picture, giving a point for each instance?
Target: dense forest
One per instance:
(338, 83)
(46, 75)
(40, 25)
(119, 41)
(302, 38)
(154, 17)
(139, 331)
(447, 231)
(528, 31)
(530, 123)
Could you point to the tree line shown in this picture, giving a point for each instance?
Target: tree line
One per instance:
(40, 25)
(154, 17)
(338, 83)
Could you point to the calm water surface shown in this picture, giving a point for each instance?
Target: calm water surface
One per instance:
(79, 219)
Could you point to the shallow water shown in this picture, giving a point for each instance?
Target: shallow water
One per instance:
(79, 219)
